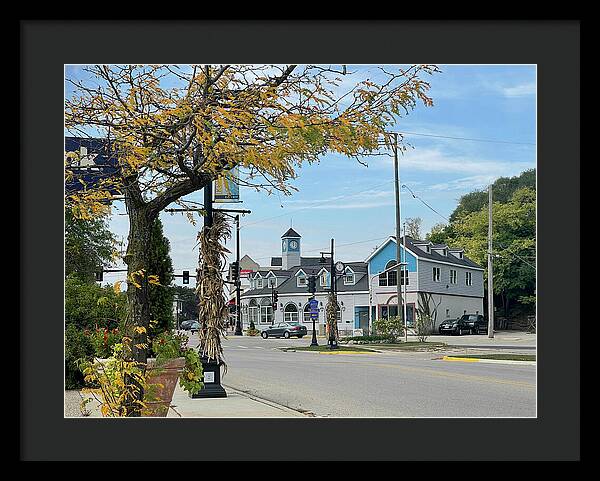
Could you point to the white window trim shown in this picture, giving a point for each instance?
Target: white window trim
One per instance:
(259, 283)
(269, 282)
(347, 272)
(453, 271)
(468, 278)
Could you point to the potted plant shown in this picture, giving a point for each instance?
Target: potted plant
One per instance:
(174, 361)
(117, 380)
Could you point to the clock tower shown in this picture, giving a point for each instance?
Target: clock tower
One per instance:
(290, 249)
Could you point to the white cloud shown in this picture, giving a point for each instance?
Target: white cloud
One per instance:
(519, 90)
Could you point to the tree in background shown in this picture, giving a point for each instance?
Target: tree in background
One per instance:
(503, 189)
(413, 227)
(188, 302)
(514, 241)
(438, 234)
(89, 246)
(514, 238)
(161, 294)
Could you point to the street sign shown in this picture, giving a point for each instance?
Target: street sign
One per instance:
(314, 308)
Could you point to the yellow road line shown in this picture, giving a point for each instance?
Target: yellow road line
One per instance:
(463, 359)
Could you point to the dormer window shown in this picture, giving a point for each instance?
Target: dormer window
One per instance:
(349, 278)
(324, 278)
(259, 283)
(272, 281)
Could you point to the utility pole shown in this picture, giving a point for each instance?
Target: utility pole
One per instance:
(404, 279)
(398, 264)
(490, 268)
(332, 339)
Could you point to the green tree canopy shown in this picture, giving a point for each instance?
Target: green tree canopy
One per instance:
(503, 189)
(89, 246)
(161, 295)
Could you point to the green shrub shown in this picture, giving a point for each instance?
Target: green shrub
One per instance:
(391, 326)
(77, 346)
(374, 339)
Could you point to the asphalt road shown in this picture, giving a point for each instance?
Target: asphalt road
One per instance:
(376, 384)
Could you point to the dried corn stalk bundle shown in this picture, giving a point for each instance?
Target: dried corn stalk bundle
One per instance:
(331, 313)
(213, 310)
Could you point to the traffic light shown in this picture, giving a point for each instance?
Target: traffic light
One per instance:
(234, 271)
(186, 277)
(275, 297)
(312, 284)
(99, 275)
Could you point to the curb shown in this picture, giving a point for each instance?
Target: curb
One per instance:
(489, 361)
(273, 404)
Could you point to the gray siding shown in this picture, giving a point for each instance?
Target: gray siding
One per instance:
(427, 284)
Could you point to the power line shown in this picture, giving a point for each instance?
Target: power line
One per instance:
(418, 198)
(494, 141)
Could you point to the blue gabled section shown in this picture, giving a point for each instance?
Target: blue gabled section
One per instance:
(388, 253)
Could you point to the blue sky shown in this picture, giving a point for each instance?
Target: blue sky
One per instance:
(342, 199)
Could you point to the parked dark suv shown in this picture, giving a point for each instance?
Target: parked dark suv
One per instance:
(285, 329)
(476, 322)
(453, 326)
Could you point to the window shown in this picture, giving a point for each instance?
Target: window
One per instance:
(253, 311)
(404, 277)
(452, 276)
(259, 283)
(290, 313)
(266, 311)
(272, 281)
(306, 314)
(436, 274)
(468, 278)
(389, 278)
(348, 278)
(301, 280)
(324, 279)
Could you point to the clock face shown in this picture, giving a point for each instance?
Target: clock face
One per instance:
(339, 266)
(293, 245)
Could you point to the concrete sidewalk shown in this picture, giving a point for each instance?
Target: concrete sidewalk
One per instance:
(236, 405)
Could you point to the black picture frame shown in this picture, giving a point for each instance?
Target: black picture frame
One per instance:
(46, 46)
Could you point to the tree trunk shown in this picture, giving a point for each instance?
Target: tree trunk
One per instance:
(138, 301)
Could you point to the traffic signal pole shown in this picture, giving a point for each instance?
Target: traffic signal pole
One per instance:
(238, 307)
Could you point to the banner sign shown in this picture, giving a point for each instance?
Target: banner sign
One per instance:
(91, 161)
(227, 188)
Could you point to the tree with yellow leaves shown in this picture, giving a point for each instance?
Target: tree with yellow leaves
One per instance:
(174, 129)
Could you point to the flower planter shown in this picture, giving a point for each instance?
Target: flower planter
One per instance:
(162, 380)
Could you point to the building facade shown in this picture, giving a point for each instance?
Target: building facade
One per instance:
(444, 277)
(366, 291)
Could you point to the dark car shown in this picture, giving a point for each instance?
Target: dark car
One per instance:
(285, 329)
(454, 326)
(476, 322)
